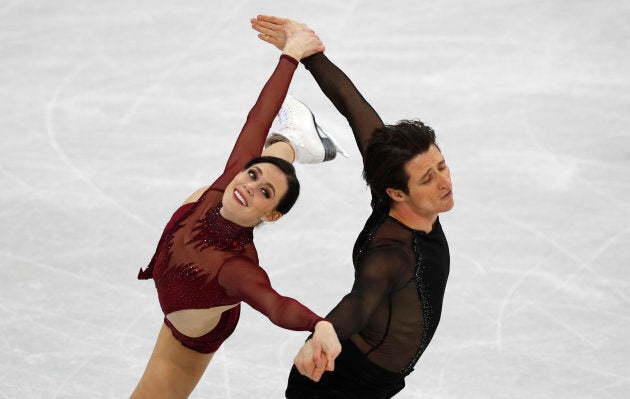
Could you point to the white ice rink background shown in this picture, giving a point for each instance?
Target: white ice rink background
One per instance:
(113, 112)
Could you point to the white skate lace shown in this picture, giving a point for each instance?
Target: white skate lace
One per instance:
(285, 118)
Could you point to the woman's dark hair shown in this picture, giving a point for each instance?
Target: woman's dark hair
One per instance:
(389, 150)
(288, 200)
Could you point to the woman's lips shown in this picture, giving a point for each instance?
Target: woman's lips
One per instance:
(239, 197)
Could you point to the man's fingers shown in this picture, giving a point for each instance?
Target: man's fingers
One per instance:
(267, 39)
(268, 26)
(257, 28)
(305, 368)
(317, 354)
(264, 30)
(330, 363)
(271, 19)
(317, 373)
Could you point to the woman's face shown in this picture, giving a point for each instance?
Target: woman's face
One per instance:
(253, 194)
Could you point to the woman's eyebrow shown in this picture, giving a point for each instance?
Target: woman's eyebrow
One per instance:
(260, 173)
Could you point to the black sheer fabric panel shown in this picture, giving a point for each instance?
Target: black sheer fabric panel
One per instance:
(394, 306)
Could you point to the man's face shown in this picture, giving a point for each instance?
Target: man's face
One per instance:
(430, 187)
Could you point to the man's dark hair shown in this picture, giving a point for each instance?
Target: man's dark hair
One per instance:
(389, 150)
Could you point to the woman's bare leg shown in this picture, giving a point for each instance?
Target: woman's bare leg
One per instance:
(173, 370)
(280, 149)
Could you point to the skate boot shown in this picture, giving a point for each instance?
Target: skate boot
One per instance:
(310, 142)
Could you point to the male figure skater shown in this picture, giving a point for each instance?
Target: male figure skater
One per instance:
(401, 256)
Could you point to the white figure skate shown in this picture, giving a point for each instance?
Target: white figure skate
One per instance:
(310, 142)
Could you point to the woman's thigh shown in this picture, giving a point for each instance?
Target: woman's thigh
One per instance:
(173, 370)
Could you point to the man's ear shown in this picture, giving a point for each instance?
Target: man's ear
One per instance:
(395, 194)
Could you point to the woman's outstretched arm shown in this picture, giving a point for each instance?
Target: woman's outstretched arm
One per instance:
(335, 84)
(249, 144)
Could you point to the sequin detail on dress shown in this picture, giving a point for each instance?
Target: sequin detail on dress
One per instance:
(198, 245)
(189, 270)
(217, 232)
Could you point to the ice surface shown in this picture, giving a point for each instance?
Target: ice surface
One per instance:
(113, 112)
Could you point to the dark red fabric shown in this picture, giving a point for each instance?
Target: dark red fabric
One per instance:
(210, 342)
(203, 260)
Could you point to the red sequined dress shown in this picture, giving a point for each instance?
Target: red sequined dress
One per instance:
(203, 260)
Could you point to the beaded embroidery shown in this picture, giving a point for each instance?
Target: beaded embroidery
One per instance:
(427, 312)
(217, 232)
(430, 316)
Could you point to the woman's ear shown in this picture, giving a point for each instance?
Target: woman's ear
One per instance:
(272, 216)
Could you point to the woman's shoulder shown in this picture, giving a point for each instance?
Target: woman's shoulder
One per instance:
(194, 197)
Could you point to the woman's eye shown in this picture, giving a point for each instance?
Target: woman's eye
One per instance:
(264, 192)
(252, 174)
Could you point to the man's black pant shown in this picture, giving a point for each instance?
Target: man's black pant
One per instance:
(355, 377)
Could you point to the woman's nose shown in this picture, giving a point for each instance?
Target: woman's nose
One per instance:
(247, 188)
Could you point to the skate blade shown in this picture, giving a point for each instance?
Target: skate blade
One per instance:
(326, 136)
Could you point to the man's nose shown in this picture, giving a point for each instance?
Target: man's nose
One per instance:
(444, 181)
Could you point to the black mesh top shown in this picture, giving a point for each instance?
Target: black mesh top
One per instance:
(395, 303)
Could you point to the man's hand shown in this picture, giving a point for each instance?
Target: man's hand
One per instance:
(309, 361)
(275, 30)
(302, 43)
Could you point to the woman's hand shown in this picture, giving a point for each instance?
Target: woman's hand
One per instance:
(309, 360)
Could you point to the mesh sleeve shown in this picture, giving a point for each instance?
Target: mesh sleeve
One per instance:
(380, 273)
(245, 281)
(345, 97)
(251, 139)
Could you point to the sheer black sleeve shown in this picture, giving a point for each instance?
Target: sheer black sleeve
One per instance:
(381, 272)
(345, 97)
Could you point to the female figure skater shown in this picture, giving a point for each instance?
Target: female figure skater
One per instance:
(206, 263)
(401, 257)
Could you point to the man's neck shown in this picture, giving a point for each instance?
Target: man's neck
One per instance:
(405, 215)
